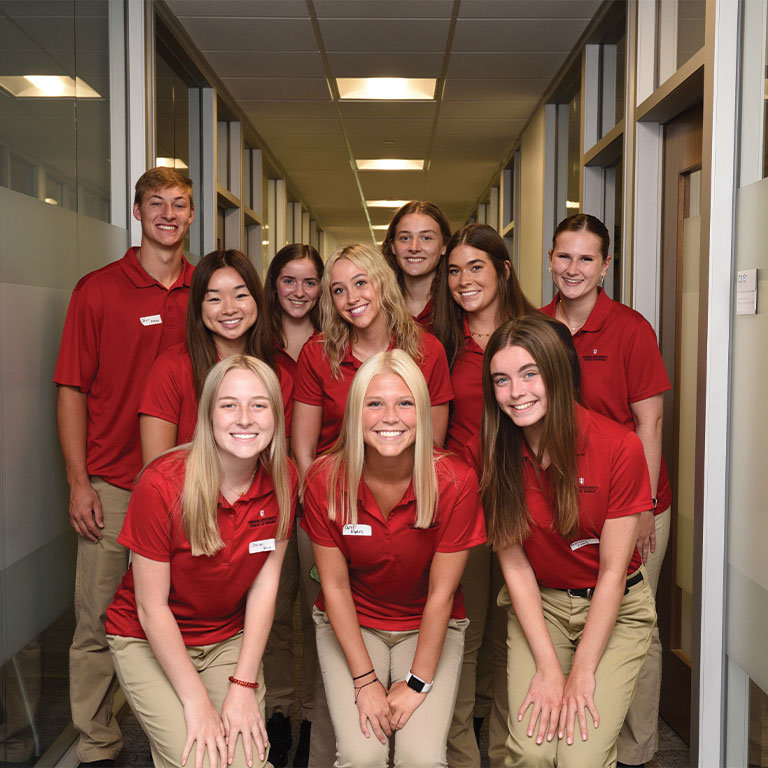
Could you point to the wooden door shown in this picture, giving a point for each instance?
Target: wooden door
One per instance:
(681, 257)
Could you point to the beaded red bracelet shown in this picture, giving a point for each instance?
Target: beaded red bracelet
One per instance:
(244, 683)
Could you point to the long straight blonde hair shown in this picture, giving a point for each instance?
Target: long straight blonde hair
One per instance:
(401, 327)
(347, 456)
(202, 480)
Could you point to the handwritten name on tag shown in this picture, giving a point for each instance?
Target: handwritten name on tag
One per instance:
(356, 530)
(151, 320)
(265, 545)
(582, 543)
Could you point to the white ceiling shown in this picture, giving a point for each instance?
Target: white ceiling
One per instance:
(493, 58)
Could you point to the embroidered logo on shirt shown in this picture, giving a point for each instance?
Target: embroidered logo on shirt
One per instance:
(594, 357)
(151, 320)
(583, 488)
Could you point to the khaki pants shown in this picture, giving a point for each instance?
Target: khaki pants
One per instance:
(156, 705)
(616, 676)
(475, 586)
(421, 743)
(639, 738)
(278, 655)
(92, 681)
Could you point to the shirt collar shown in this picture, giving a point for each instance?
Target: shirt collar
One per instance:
(583, 424)
(470, 344)
(350, 359)
(142, 279)
(599, 314)
(261, 485)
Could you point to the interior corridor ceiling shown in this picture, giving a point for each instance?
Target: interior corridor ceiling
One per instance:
(279, 59)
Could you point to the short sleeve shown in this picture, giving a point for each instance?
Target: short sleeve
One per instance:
(147, 529)
(645, 372)
(630, 488)
(434, 366)
(308, 386)
(464, 525)
(78, 360)
(163, 393)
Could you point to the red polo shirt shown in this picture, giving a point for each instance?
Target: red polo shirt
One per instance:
(284, 360)
(424, 318)
(119, 320)
(620, 365)
(170, 392)
(467, 383)
(316, 385)
(207, 594)
(389, 558)
(613, 482)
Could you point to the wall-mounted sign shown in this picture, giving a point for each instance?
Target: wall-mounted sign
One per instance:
(746, 292)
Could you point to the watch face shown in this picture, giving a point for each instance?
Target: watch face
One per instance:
(415, 683)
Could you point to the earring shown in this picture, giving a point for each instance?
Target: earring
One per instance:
(601, 281)
(550, 270)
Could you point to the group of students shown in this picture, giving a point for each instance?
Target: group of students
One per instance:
(433, 415)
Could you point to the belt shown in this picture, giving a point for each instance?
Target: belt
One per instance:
(587, 592)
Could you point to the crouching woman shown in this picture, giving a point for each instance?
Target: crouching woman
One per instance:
(391, 519)
(207, 526)
(562, 491)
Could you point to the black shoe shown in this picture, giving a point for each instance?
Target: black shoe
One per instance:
(279, 733)
(301, 758)
(629, 765)
(105, 763)
(477, 723)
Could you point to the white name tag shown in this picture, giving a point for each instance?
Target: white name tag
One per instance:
(265, 545)
(151, 320)
(583, 543)
(356, 530)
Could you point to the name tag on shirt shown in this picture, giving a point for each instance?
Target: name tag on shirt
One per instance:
(583, 543)
(265, 545)
(356, 530)
(151, 320)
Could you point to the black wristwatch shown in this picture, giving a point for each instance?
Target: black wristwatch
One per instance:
(416, 683)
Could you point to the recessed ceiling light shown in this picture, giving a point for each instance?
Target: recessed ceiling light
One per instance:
(170, 162)
(387, 88)
(380, 227)
(386, 203)
(51, 201)
(48, 86)
(389, 164)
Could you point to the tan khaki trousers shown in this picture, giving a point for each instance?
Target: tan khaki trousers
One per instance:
(92, 681)
(639, 738)
(616, 676)
(156, 705)
(422, 742)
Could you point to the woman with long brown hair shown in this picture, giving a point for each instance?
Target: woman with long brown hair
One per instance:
(413, 246)
(562, 489)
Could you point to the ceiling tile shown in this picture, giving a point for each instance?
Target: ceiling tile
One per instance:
(516, 35)
(376, 64)
(521, 9)
(384, 9)
(257, 34)
(487, 110)
(282, 88)
(501, 89)
(384, 35)
(266, 64)
(298, 110)
(388, 110)
(241, 8)
(484, 65)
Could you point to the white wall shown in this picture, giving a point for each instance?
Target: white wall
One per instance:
(44, 250)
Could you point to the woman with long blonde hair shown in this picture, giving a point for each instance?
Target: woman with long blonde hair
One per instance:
(391, 519)
(362, 313)
(207, 525)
